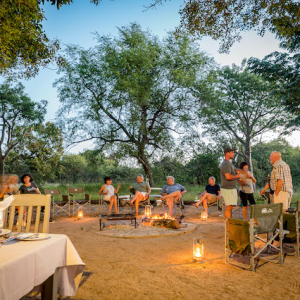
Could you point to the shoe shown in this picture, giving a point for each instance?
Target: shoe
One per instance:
(51, 221)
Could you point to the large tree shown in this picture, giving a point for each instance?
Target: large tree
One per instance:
(224, 20)
(240, 105)
(24, 45)
(130, 92)
(18, 115)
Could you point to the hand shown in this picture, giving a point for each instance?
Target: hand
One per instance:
(261, 193)
(131, 187)
(119, 184)
(238, 175)
(219, 197)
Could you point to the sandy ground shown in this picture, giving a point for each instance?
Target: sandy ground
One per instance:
(162, 268)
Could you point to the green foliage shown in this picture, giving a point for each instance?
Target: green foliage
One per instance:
(130, 92)
(224, 20)
(18, 117)
(240, 105)
(283, 70)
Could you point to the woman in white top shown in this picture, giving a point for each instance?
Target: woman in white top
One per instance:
(108, 192)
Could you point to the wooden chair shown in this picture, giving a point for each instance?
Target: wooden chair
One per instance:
(79, 199)
(63, 205)
(29, 207)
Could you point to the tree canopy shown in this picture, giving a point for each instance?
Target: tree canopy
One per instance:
(18, 115)
(130, 92)
(225, 20)
(240, 105)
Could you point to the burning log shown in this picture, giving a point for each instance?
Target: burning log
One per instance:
(164, 221)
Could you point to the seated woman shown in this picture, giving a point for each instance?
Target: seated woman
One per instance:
(109, 192)
(246, 182)
(28, 187)
(211, 194)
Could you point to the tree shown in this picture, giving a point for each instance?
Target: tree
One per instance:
(40, 155)
(241, 106)
(283, 71)
(18, 116)
(224, 20)
(130, 92)
(24, 45)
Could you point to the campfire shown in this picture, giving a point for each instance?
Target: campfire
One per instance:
(162, 220)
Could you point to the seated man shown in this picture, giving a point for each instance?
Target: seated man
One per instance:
(211, 194)
(141, 190)
(172, 192)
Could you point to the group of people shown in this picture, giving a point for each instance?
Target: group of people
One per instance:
(280, 185)
(9, 185)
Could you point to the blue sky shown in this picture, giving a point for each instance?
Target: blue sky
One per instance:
(75, 23)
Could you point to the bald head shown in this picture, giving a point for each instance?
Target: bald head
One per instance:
(275, 156)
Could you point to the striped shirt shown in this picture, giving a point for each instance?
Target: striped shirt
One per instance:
(281, 170)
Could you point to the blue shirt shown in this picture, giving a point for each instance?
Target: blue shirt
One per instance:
(168, 189)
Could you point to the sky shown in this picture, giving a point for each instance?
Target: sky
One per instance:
(76, 23)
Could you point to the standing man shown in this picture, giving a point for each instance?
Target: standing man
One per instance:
(228, 182)
(281, 180)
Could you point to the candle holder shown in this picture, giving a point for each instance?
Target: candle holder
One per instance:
(198, 250)
(148, 211)
(80, 213)
(204, 215)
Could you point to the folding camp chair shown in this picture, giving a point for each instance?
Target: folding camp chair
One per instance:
(292, 226)
(219, 205)
(179, 204)
(61, 206)
(79, 199)
(241, 236)
(142, 203)
(29, 208)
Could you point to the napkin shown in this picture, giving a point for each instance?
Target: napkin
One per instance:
(6, 203)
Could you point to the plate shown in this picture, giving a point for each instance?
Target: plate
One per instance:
(33, 237)
(4, 232)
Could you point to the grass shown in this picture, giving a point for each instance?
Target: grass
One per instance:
(192, 190)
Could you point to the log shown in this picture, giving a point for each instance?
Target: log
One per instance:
(165, 223)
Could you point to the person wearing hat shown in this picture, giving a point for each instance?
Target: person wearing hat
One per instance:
(229, 181)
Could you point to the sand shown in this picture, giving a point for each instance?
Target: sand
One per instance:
(161, 267)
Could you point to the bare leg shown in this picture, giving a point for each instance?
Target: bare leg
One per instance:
(115, 204)
(110, 204)
(139, 197)
(205, 206)
(176, 194)
(228, 211)
(202, 198)
(171, 204)
(245, 212)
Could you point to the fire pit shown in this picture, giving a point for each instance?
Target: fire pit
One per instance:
(162, 220)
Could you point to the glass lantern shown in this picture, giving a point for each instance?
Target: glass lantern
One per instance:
(198, 249)
(148, 211)
(204, 215)
(80, 213)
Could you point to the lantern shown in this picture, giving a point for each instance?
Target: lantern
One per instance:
(203, 215)
(148, 211)
(198, 250)
(80, 213)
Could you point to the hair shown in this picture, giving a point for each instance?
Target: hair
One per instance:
(171, 177)
(25, 175)
(140, 175)
(106, 178)
(243, 164)
(213, 178)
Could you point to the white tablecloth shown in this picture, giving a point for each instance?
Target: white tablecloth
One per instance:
(27, 264)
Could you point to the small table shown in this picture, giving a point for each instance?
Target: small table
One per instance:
(117, 217)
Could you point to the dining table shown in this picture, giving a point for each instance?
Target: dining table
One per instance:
(49, 264)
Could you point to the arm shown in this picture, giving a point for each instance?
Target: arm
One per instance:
(183, 192)
(279, 186)
(101, 190)
(118, 187)
(251, 177)
(219, 195)
(232, 177)
(38, 191)
(264, 189)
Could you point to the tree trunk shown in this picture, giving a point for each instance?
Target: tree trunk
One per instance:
(1, 165)
(248, 154)
(146, 166)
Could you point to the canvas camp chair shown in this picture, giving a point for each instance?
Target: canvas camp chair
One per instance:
(241, 236)
(219, 205)
(79, 199)
(178, 204)
(61, 206)
(142, 203)
(292, 227)
(29, 208)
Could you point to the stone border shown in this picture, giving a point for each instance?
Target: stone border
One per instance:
(146, 231)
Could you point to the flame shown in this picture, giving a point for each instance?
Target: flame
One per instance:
(164, 216)
(198, 253)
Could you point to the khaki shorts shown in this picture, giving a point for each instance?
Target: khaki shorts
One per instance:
(229, 196)
(283, 197)
(213, 198)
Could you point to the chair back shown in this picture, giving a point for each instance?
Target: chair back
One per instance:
(29, 206)
(53, 192)
(267, 216)
(75, 190)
